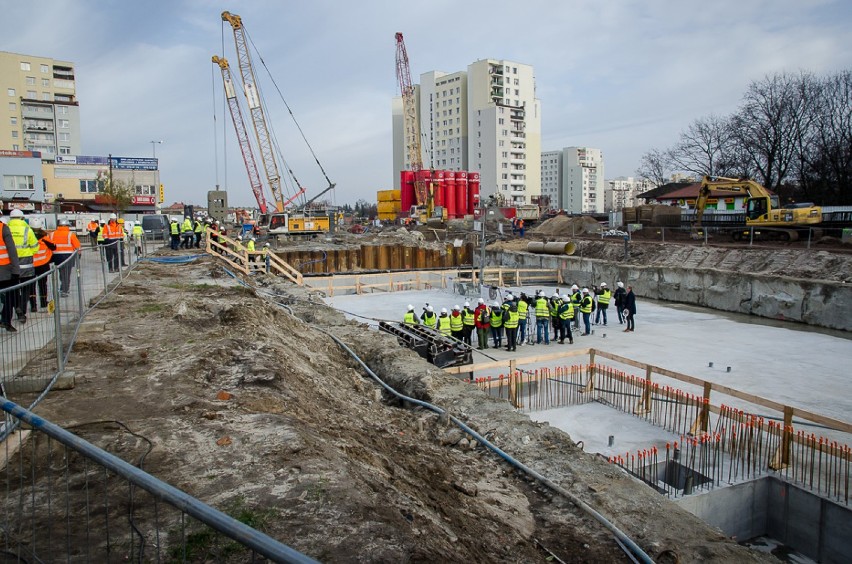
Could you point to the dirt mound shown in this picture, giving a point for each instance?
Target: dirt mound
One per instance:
(564, 226)
(351, 474)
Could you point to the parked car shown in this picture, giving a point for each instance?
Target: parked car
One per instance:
(156, 226)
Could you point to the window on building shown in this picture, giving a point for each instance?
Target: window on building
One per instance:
(45, 96)
(13, 106)
(61, 110)
(501, 121)
(64, 150)
(63, 123)
(14, 134)
(514, 70)
(31, 94)
(45, 82)
(13, 121)
(25, 66)
(30, 81)
(145, 190)
(16, 147)
(15, 183)
(65, 137)
(10, 91)
(45, 69)
(91, 186)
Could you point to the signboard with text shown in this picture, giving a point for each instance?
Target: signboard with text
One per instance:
(134, 163)
(143, 200)
(30, 154)
(82, 160)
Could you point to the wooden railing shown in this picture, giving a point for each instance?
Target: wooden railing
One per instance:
(239, 258)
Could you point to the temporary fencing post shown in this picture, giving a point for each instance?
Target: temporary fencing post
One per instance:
(57, 321)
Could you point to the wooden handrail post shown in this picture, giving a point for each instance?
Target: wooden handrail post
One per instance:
(513, 384)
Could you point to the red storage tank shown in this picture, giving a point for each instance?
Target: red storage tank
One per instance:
(438, 180)
(424, 177)
(406, 191)
(472, 190)
(450, 193)
(461, 194)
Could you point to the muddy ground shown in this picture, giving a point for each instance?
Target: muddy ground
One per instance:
(352, 475)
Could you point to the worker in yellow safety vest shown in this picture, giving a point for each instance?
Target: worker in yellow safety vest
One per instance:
(566, 315)
(428, 317)
(410, 318)
(604, 297)
(26, 244)
(586, 310)
(497, 325)
(456, 322)
(511, 325)
(444, 323)
(523, 308)
(186, 233)
(542, 319)
(468, 322)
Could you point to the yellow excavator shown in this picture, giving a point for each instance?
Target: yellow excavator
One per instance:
(763, 209)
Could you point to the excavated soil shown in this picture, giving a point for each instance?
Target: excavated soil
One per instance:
(351, 474)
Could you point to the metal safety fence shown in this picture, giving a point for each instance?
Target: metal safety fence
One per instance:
(42, 314)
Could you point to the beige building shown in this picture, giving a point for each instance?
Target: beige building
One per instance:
(39, 110)
(621, 192)
(76, 182)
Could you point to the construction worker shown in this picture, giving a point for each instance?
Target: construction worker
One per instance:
(619, 298)
(410, 318)
(510, 323)
(469, 322)
(198, 228)
(553, 307)
(576, 297)
(138, 234)
(566, 315)
(604, 297)
(497, 325)
(250, 249)
(456, 322)
(100, 237)
(482, 316)
(66, 244)
(121, 241)
(26, 244)
(41, 264)
(444, 323)
(186, 233)
(93, 228)
(9, 275)
(174, 233)
(523, 307)
(542, 319)
(428, 317)
(521, 227)
(113, 233)
(586, 310)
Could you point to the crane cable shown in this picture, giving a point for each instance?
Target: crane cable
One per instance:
(281, 95)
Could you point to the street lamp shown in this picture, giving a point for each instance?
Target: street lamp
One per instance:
(154, 147)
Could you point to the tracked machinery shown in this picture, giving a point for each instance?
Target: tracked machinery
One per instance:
(286, 218)
(763, 211)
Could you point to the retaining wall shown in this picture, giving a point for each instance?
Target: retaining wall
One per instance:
(814, 302)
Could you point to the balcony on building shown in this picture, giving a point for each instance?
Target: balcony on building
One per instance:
(517, 114)
(517, 137)
(496, 92)
(63, 73)
(34, 110)
(38, 124)
(495, 69)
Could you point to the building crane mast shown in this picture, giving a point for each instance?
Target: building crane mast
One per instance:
(242, 133)
(412, 127)
(261, 129)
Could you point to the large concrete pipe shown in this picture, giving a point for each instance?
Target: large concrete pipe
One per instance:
(552, 248)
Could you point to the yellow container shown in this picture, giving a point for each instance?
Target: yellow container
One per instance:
(388, 195)
(389, 207)
(387, 216)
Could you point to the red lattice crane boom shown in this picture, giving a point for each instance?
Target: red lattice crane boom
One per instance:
(242, 133)
(412, 127)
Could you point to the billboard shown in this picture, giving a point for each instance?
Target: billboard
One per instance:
(134, 163)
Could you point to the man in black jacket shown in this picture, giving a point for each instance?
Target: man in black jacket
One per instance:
(618, 297)
(630, 308)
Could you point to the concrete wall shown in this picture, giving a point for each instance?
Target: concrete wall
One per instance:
(809, 524)
(815, 302)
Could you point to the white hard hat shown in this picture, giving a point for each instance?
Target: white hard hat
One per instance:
(37, 223)
(430, 309)
(64, 222)
(239, 237)
(467, 304)
(564, 296)
(621, 284)
(266, 244)
(16, 213)
(510, 297)
(480, 301)
(113, 216)
(585, 290)
(603, 284)
(410, 307)
(253, 239)
(496, 303)
(443, 310)
(456, 307)
(575, 287)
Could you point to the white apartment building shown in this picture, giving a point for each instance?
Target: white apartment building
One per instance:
(40, 110)
(485, 119)
(551, 178)
(580, 176)
(620, 192)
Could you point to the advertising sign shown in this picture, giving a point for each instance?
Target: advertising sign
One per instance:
(143, 200)
(134, 163)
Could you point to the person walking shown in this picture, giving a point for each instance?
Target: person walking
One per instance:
(566, 315)
(483, 324)
(510, 322)
(174, 234)
(618, 298)
(456, 323)
(542, 319)
(444, 323)
(41, 263)
(93, 228)
(10, 274)
(428, 317)
(630, 308)
(137, 234)
(410, 318)
(469, 323)
(112, 236)
(66, 244)
(586, 310)
(497, 325)
(604, 297)
(27, 245)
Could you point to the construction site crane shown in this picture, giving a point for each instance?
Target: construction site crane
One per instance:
(261, 130)
(242, 133)
(412, 126)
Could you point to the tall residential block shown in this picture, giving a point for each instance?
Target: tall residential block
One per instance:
(485, 119)
(551, 180)
(582, 180)
(621, 192)
(40, 111)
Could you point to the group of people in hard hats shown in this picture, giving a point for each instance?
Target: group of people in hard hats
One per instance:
(555, 315)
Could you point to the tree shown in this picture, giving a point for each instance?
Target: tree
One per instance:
(118, 193)
(705, 148)
(655, 166)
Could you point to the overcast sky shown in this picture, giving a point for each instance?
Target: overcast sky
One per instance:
(622, 76)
